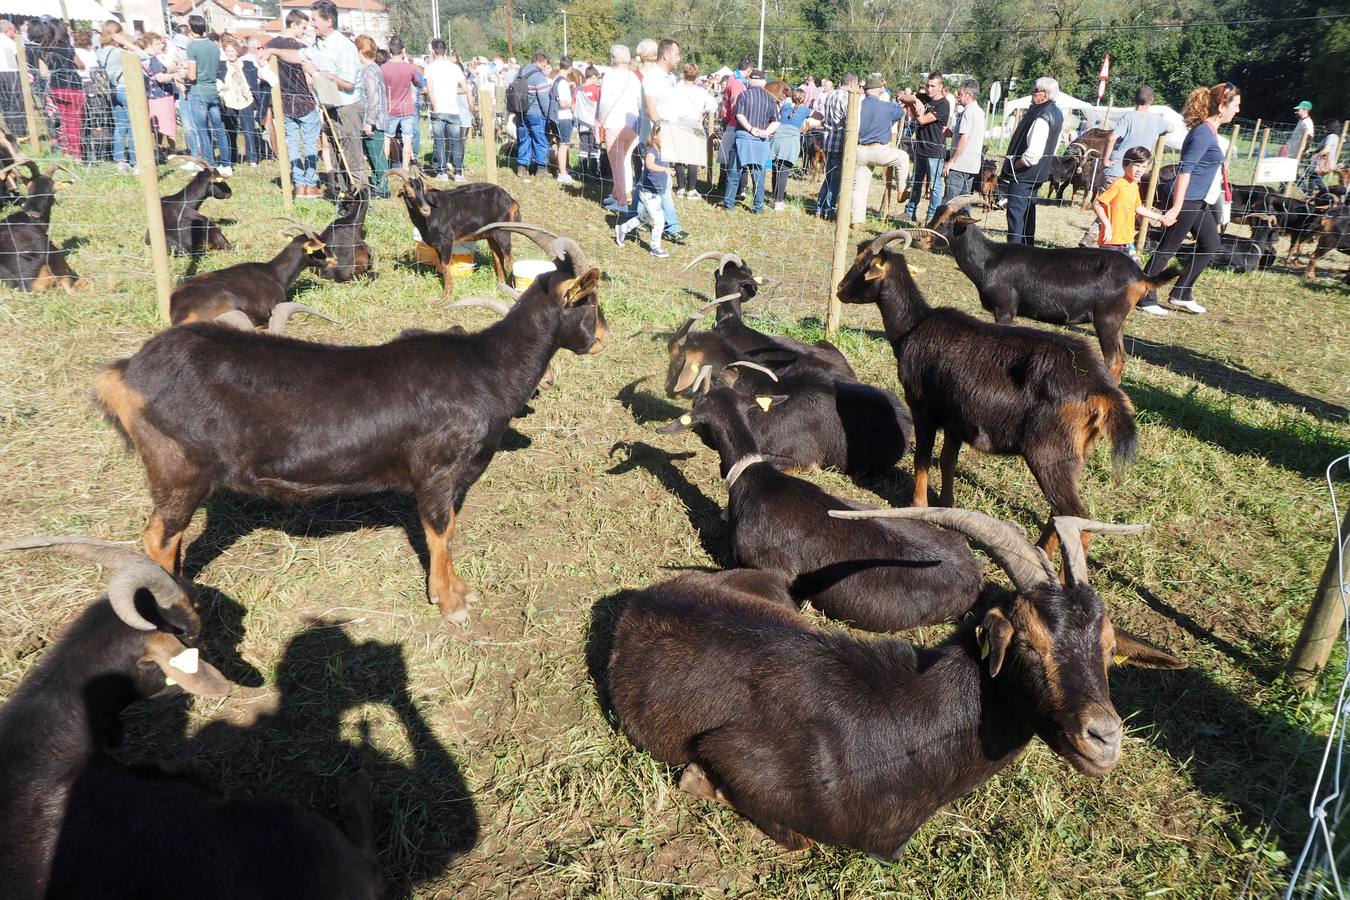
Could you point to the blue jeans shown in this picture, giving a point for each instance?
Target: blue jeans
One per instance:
(930, 168)
(448, 152)
(208, 128)
(531, 141)
(734, 183)
(302, 143)
(123, 148)
(827, 201)
(1021, 212)
(403, 127)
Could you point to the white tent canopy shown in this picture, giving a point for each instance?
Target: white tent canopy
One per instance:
(1062, 100)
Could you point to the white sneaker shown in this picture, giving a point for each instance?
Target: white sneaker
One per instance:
(779, 207)
(1152, 309)
(619, 234)
(190, 167)
(564, 178)
(659, 253)
(1189, 306)
(460, 178)
(227, 171)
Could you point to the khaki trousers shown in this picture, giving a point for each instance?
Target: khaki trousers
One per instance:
(879, 155)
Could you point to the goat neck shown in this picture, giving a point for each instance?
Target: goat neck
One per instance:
(291, 261)
(727, 431)
(195, 192)
(972, 249)
(525, 340)
(901, 302)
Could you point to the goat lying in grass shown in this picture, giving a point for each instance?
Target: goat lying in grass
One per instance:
(818, 735)
(208, 407)
(75, 823)
(877, 575)
(1006, 390)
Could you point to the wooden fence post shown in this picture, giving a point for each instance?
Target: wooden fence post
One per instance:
(487, 115)
(1298, 157)
(148, 163)
(1256, 131)
(1158, 149)
(1265, 139)
(1232, 144)
(26, 89)
(1324, 621)
(1340, 148)
(279, 145)
(843, 211)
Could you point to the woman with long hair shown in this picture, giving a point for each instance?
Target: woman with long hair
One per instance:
(617, 119)
(1200, 186)
(376, 120)
(159, 88)
(64, 85)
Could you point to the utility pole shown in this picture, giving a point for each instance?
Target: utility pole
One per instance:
(760, 64)
(564, 15)
(435, 19)
(510, 41)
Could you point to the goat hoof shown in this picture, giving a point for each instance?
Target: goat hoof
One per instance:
(456, 613)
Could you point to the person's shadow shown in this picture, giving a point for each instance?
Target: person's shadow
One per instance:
(302, 748)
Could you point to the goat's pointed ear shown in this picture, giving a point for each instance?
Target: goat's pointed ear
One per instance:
(877, 269)
(964, 219)
(183, 666)
(580, 288)
(995, 633)
(1132, 650)
(675, 426)
(312, 246)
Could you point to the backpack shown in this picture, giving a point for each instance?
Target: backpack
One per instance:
(518, 95)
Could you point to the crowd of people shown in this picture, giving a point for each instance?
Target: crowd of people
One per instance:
(645, 121)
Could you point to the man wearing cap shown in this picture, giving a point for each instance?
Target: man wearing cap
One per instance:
(875, 120)
(1303, 126)
(756, 121)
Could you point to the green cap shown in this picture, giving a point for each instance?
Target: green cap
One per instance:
(1303, 104)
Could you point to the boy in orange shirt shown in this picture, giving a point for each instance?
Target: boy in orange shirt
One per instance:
(1118, 205)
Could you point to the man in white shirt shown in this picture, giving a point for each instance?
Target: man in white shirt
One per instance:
(11, 96)
(1304, 126)
(448, 89)
(968, 150)
(658, 83)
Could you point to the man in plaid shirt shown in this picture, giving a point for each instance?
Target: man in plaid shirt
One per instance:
(835, 111)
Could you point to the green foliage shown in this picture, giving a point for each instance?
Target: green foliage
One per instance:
(592, 28)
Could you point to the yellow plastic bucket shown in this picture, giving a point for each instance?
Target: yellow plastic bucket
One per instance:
(461, 260)
(527, 270)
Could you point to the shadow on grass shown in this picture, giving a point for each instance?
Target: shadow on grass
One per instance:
(645, 406)
(1222, 376)
(704, 515)
(423, 810)
(1255, 761)
(599, 643)
(1293, 445)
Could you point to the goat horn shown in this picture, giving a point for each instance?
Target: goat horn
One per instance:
(301, 225)
(508, 290)
(722, 257)
(560, 247)
(963, 200)
(235, 318)
(695, 317)
(879, 243)
(1026, 564)
(134, 572)
(1070, 529)
(195, 159)
(400, 173)
(711, 254)
(938, 235)
(746, 364)
(282, 312)
(500, 307)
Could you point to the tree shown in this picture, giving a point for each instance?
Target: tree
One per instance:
(592, 28)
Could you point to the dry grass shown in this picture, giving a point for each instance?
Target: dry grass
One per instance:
(496, 772)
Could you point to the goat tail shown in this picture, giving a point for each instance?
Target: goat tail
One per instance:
(1121, 428)
(1163, 278)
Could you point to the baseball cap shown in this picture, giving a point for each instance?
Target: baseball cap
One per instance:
(873, 83)
(1303, 104)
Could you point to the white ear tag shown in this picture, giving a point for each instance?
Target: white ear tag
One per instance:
(915, 270)
(169, 682)
(186, 661)
(759, 280)
(764, 402)
(686, 419)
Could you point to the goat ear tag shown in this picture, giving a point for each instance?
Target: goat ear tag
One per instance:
(759, 279)
(188, 661)
(764, 402)
(1118, 659)
(169, 682)
(984, 642)
(686, 419)
(915, 270)
(876, 271)
(313, 246)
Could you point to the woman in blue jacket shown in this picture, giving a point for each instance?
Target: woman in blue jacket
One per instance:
(1201, 185)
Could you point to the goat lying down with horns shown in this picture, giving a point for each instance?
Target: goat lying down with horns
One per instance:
(253, 294)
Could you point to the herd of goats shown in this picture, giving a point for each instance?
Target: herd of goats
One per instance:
(814, 734)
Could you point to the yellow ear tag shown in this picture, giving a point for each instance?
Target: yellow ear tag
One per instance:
(686, 419)
(764, 402)
(186, 661)
(915, 270)
(984, 642)
(169, 682)
(1118, 659)
(759, 279)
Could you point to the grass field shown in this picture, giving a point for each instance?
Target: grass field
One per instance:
(495, 771)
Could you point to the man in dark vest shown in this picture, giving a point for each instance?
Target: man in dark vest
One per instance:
(1027, 165)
